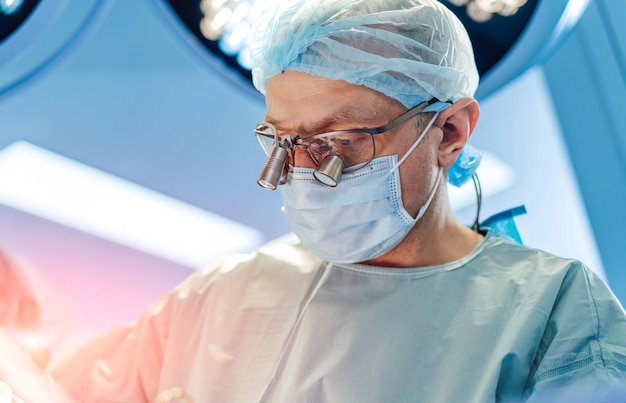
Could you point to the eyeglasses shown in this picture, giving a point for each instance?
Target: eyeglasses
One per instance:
(334, 152)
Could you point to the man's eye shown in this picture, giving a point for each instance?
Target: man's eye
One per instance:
(350, 139)
(342, 141)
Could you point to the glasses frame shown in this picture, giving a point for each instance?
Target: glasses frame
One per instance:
(303, 142)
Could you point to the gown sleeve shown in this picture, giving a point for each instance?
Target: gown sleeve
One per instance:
(216, 337)
(582, 360)
(121, 365)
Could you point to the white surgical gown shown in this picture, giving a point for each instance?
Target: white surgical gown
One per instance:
(505, 323)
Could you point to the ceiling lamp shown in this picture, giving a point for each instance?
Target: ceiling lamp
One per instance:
(484, 10)
(8, 7)
(34, 34)
(508, 35)
(229, 23)
(13, 13)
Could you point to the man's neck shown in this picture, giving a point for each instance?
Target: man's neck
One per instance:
(436, 239)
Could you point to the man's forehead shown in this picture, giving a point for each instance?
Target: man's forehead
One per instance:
(351, 116)
(312, 103)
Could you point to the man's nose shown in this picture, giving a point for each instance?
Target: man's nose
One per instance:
(303, 158)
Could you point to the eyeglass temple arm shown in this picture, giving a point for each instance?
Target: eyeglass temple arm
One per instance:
(402, 118)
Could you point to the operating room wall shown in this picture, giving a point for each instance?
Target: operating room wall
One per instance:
(587, 80)
(136, 102)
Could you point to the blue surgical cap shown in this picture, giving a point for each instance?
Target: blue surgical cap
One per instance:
(409, 50)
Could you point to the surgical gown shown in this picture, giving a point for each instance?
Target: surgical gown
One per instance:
(505, 323)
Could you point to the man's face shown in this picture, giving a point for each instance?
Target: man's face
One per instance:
(302, 104)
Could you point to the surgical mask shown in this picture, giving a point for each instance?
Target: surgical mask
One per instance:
(363, 217)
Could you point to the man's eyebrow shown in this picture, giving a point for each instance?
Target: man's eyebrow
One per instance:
(348, 115)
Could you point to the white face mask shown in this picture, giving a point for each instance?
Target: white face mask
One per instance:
(363, 217)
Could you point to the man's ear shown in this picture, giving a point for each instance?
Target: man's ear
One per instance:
(457, 123)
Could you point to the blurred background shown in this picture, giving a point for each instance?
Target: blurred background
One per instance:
(127, 155)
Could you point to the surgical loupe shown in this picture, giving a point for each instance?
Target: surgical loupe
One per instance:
(274, 171)
(329, 171)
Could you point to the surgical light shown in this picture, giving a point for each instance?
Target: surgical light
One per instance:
(36, 34)
(229, 24)
(14, 17)
(509, 36)
(483, 10)
(9, 7)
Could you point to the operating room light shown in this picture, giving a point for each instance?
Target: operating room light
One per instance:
(48, 185)
(483, 10)
(10, 6)
(509, 36)
(229, 23)
(35, 36)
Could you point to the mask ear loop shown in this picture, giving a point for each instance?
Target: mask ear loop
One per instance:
(419, 140)
(477, 187)
(422, 209)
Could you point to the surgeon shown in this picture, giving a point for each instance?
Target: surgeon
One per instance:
(381, 295)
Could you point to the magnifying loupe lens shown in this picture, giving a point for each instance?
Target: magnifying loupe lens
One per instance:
(329, 171)
(272, 169)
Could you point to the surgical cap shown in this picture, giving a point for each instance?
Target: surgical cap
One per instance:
(409, 50)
